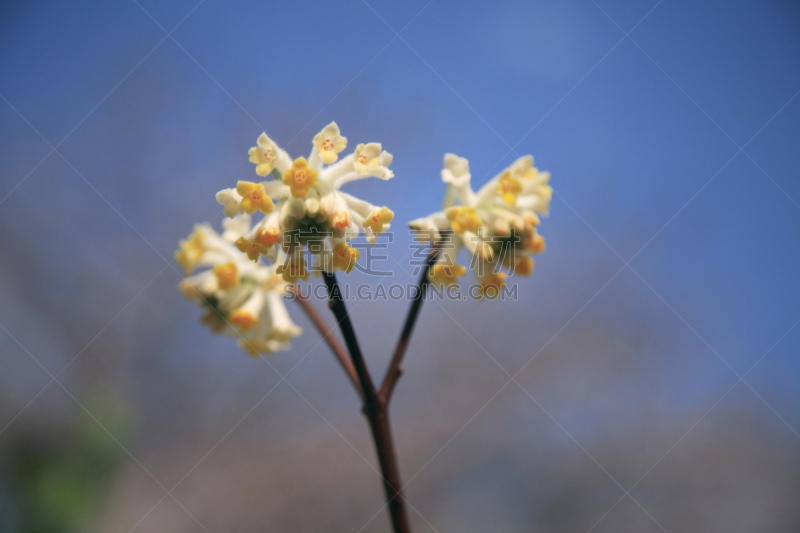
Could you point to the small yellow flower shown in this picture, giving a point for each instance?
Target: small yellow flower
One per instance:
(446, 274)
(268, 237)
(491, 284)
(187, 290)
(509, 187)
(378, 219)
(546, 192)
(232, 202)
(531, 220)
(530, 173)
(329, 143)
(463, 219)
(244, 320)
(367, 157)
(523, 168)
(293, 269)
(264, 155)
(254, 197)
(535, 244)
(254, 347)
(345, 257)
(456, 171)
(300, 178)
(524, 266)
(190, 251)
(227, 275)
(253, 249)
(340, 219)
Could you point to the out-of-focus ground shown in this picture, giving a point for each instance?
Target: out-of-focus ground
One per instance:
(672, 153)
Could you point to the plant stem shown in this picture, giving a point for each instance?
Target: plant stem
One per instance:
(336, 304)
(384, 443)
(395, 369)
(327, 335)
(375, 409)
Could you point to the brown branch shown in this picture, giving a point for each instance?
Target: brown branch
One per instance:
(375, 410)
(395, 369)
(328, 336)
(336, 305)
(387, 457)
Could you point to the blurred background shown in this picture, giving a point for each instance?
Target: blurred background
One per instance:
(655, 350)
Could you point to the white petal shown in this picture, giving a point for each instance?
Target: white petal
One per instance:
(283, 329)
(456, 165)
(276, 189)
(336, 170)
(362, 207)
(235, 227)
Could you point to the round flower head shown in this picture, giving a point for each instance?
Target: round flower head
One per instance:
(303, 206)
(239, 298)
(497, 224)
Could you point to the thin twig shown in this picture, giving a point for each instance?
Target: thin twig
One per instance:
(336, 304)
(328, 336)
(395, 369)
(375, 409)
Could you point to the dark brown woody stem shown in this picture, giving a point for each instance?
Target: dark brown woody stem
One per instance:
(376, 403)
(395, 369)
(375, 409)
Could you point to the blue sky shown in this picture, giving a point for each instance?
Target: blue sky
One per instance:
(671, 131)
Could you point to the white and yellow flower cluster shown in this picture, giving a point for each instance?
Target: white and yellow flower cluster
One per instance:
(497, 224)
(240, 298)
(304, 207)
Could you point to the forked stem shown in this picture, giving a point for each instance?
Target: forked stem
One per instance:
(376, 403)
(375, 410)
(395, 369)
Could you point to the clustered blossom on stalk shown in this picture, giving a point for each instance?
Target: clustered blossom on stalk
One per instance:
(250, 267)
(497, 224)
(240, 298)
(304, 207)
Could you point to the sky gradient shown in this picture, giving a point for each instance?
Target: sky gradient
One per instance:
(671, 130)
